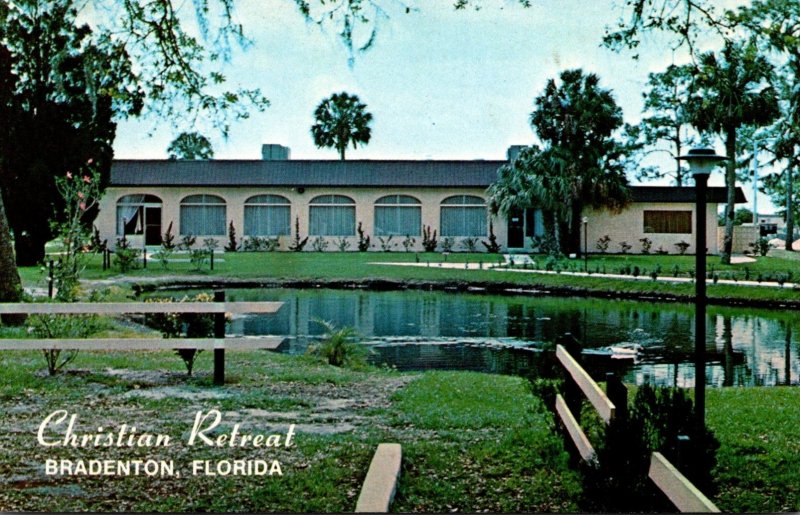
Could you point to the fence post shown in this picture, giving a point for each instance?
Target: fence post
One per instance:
(219, 332)
(50, 280)
(144, 256)
(683, 452)
(212, 259)
(572, 393)
(618, 394)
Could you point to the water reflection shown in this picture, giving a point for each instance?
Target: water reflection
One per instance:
(744, 346)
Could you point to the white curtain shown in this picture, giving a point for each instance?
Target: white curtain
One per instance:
(203, 220)
(266, 220)
(332, 220)
(398, 220)
(463, 221)
(128, 207)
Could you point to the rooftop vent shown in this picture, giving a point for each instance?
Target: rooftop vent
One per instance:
(273, 152)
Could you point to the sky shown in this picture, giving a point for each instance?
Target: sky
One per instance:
(440, 84)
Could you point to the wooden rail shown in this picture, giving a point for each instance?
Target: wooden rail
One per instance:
(107, 344)
(119, 308)
(683, 494)
(589, 388)
(575, 432)
(218, 344)
(380, 484)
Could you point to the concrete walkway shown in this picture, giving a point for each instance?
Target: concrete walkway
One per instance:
(492, 267)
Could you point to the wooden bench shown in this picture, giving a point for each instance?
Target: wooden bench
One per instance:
(219, 343)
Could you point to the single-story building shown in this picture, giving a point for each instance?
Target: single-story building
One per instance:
(388, 198)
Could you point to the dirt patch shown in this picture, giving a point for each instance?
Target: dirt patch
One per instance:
(176, 392)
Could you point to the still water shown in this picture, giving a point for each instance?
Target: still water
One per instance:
(414, 330)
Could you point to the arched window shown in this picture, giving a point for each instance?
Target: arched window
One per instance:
(398, 215)
(140, 214)
(463, 215)
(203, 215)
(267, 215)
(332, 215)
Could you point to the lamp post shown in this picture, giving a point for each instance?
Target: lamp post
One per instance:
(585, 244)
(701, 163)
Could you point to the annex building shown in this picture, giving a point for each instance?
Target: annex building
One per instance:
(274, 197)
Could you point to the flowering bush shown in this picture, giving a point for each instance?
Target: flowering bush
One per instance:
(80, 192)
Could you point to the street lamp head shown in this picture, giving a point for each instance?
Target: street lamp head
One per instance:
(585, 219)
(702, 160)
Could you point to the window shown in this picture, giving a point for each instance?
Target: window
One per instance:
(203, 215)
(332, 215)
(668, 222)
(267, 215)
(132, 213)
(398, 215)
(463, 215)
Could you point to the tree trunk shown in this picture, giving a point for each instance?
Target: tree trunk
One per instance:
(29, 247)
(730, 206)
(789, 208)
(575, 224)
(10, 284)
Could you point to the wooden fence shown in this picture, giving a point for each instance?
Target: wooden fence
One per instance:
(219, 343)
(683, 494)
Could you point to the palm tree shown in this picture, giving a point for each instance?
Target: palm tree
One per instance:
(580, 165)
(732, 91)
(340, 120)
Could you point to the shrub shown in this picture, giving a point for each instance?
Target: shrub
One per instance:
(342, 244)
(661, 250)
(297, 243)
(492, 246)
(198, 258)
(408, 243)
(177, 325)
(232, 245)
(429, 241)
(602, 243)
(168, 239)
(682, 247)
(62, 326)
(761, 247)
(546, 244)
(187, 242)
(126, 256)
(319, 244)
(624, 247)
(447, 244)
(654, 421)
(470, 244)
(163, 255)
(647, 244)
(363, 240)
(340, 346)
(260, 244)
(386, 243)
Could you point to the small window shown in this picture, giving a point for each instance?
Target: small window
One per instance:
(332, 215)
(398, 215)
(668, 222)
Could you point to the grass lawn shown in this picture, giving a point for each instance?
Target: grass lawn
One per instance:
(759, 434)
(356, 266)
(471, 441)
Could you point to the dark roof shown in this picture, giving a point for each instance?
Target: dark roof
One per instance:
(717, 195)
(305, 173)
(352, 174)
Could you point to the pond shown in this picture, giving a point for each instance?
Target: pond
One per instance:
(414, 330)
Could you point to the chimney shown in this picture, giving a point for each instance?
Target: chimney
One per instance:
(513, 151)
(274, 152)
